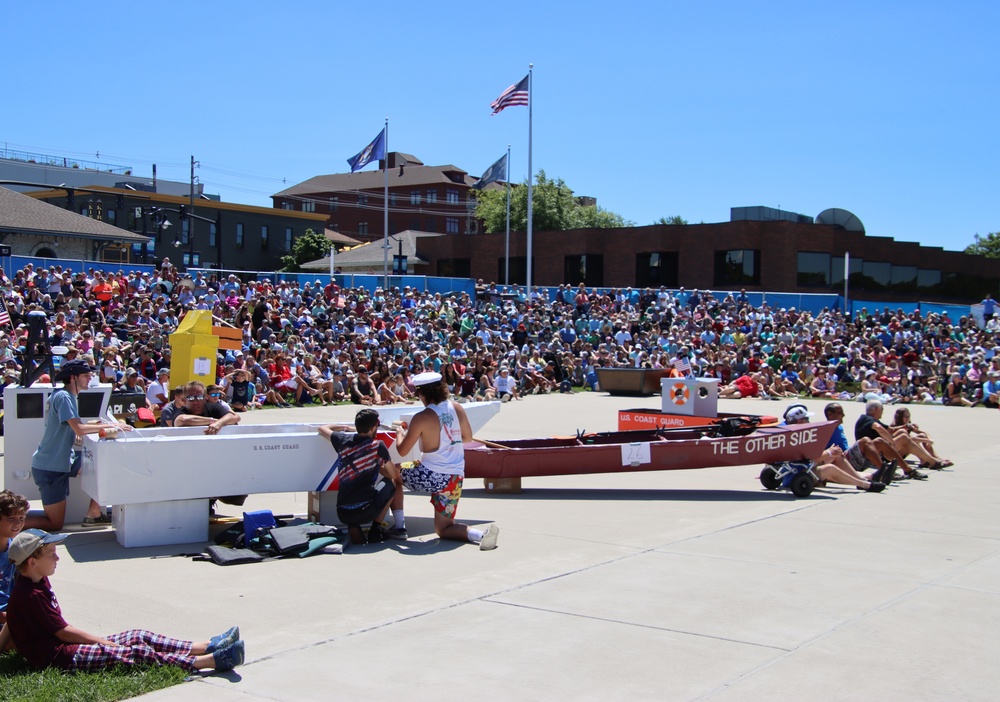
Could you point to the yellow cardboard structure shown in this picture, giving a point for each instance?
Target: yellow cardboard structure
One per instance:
(193, 348)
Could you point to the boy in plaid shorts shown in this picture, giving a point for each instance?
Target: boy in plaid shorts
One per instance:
(43, 637)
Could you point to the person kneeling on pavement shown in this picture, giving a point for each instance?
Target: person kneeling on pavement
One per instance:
(369, 481)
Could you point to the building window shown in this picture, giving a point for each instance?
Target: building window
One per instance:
(432, 195)
(239, 235)
(837, 271)
(414, 197)
(288, 239)
(308, 205)
(263, 237)
(587, 269)
(655, 269)
(454, 267)
(185, 236)
(928, 280)
(904, 279)
(430, 225)
(415, 224)
(112, 217)
(518, 269)
(212, 235)
(875, 275)
(451, 196)
(362, 227)
(814, 270)
(451, 225)
(737, 267)
(286, 205)
(362, 199)
(392, 199)
(334, 203)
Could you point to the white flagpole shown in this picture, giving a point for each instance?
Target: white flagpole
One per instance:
(331, 263)
(847, 275)
(385, 216)
(531, 105)
(506, 241)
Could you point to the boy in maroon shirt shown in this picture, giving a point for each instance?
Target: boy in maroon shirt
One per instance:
(45, 639)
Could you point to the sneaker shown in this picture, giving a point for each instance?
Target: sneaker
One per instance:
(489, 541)
(102, 520)
(397, 533)
(505, 397)
(916, 475)
(217, 643)
(875, 486)
(229, 658)
(376, 535)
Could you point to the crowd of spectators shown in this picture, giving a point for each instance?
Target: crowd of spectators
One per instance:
(322, 343)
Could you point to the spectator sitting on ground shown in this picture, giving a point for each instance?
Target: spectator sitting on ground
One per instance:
(868, 425)
(901, 425)
(45, 639)
(157, 394)
(821, 386)
(363, 390)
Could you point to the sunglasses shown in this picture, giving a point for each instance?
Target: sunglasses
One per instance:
(215, 394)
(195, 398)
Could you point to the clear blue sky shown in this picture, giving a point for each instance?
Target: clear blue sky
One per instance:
(886, 109)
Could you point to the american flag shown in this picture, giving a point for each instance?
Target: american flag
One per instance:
(4, 314)
(515, 95)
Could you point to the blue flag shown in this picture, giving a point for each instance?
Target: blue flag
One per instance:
(374, 151)
(498, 171)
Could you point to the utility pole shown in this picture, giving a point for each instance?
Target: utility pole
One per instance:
(191, 219)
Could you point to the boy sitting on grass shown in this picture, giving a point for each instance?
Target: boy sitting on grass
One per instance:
(43, 637)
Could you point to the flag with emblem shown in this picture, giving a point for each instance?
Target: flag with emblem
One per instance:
(373, 152)
(498, 171)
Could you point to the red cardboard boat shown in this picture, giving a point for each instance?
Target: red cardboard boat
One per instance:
(626, 451)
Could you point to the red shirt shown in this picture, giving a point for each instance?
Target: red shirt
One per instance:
(33, 618)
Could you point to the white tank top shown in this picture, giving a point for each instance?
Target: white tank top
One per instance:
(449, 459)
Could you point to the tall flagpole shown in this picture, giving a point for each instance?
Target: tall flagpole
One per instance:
(531, 105)
(506, 241)
(385, 215)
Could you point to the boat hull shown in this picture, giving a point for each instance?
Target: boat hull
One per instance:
(616, 452)
(639, 419)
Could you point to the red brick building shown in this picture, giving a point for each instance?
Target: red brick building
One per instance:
(779, 256)
(421, 198)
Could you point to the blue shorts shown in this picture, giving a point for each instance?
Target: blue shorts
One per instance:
(53, 486)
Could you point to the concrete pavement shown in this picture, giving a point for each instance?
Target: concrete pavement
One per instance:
(682, 585)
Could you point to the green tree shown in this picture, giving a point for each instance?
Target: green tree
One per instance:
(553, 208)
(988, 245)
(308, 247)
(676, 219)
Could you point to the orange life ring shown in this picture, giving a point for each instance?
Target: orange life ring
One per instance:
(680, 394)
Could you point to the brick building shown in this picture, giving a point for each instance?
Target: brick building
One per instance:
(421, 198)
(778, 255)
(224, 234)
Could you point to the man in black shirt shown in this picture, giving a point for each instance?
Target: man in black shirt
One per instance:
(198, 413)
(892, 447)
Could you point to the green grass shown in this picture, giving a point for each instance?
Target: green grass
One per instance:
(18, 681)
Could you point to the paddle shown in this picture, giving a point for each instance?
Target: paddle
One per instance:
(491, 444)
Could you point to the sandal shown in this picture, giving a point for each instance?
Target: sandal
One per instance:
(98, 521)
(941, 465)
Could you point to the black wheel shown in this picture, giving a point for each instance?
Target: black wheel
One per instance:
(802, 485)
(769, 478)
